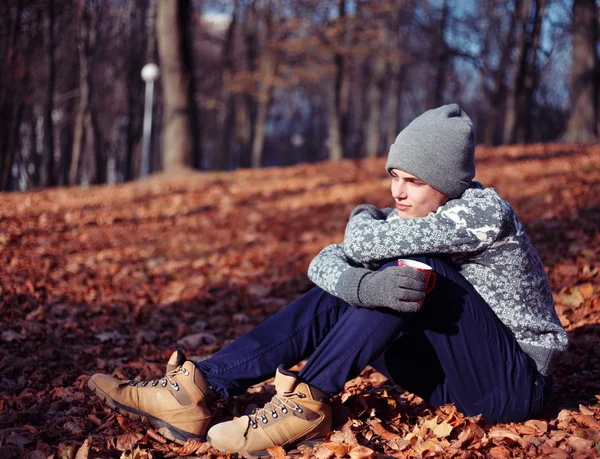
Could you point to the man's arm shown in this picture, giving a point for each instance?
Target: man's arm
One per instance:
(463, 225)
(329, 267)
(398, 288)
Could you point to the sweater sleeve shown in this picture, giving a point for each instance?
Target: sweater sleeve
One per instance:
(465, 225)
(335, 273)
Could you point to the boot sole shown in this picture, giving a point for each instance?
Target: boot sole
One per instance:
(168, 431)
(311, 443)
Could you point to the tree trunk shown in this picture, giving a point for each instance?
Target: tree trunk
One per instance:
(394, 92)
(516, 86)
(177, 143)
(10, 105)
(33, 161)
(582, 121)
(236, 131)
(228, 116)
(135, 87)
(523, 128)
(251, 41)
(442, 57)
(338, 98)
(393, 102)
(65, 132)
(374, 102)
(186, 15)
(265, 86)
(497, 93)
(86, 142)
(266, 73)
(51, 173)
(334, 139)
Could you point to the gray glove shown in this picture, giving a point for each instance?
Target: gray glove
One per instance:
(397, 287)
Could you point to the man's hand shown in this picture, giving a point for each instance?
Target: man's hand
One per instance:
(397, 287)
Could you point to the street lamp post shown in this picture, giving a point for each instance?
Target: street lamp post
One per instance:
(150, 73)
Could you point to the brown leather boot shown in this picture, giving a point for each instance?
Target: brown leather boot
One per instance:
(298, 412)
(175, 405)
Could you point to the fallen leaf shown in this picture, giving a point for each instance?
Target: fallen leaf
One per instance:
(360, 452)
(581, 444)
(68, 452)
(587, 290)
(499, 452)
(572, 297)
(552, 452)
(383, 432)
(84, 450)
(337, 449)
(156, 436)
(508, 436)
(189, 447)
(276, 452)
(324, 453)
(587, 420)
(532, 427)
(442, 430)
(431, 445)
(127, 441)
(349, 437)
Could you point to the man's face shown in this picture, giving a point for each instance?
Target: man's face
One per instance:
(414, 198)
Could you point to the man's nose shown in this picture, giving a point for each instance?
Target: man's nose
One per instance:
(398, 190)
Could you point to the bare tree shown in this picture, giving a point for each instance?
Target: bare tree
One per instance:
(136, 43)
(86, 141)
(227, 119)
(177, 138)
(442, 54)
(11, 105)
(267, 69)
(375, 94)
(519, 103)
(338, 97)
(582, 122)
(497, 41)
(51, 173)
(395, 73)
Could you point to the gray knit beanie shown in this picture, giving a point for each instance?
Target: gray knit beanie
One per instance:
(437, 147)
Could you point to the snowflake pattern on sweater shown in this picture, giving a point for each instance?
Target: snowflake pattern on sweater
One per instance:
(484, 239)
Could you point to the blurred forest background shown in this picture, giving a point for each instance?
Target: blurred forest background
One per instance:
(252, 83)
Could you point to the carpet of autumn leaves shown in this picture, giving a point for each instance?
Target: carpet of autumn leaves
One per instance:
(112, 279)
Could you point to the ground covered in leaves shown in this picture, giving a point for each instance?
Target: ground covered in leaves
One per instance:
(113, 279)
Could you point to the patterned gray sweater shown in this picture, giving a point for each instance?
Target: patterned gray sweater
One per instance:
(483, 237)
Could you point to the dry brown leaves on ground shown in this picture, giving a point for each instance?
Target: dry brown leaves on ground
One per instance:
(112, 279)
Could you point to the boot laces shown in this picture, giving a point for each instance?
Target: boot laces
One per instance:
(167, 379)
(281, 403)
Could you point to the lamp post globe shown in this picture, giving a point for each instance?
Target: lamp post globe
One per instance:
(150, 72)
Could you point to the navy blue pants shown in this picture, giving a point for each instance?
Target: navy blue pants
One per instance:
(454, 350)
